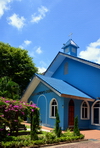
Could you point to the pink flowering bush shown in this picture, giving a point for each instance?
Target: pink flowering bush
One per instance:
(12, 113)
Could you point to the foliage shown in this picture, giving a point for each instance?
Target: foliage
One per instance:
(16, 64)
(68, 133)
(25, 140)
(76, 129)
(57, 127)
(12, 112)
(8, 88)
(35, 124)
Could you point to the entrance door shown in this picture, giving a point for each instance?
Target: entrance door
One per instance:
(71, 114)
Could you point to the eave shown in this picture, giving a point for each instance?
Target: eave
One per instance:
(77, 97)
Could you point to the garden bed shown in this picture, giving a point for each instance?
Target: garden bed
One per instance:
(44, 139)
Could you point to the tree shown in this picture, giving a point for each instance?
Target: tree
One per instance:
(35, 127)
(76, 129)
(16, 64)
(9, 89)
(12, 112)
(57, 127)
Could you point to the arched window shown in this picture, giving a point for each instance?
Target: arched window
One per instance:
(96, 113)
(31, 102)
(53, 107)
(66, 68)
(85, 110)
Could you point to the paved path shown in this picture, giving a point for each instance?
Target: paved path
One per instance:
(91, 134)
(85, 144)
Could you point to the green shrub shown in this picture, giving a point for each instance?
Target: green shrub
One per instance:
(68, 133)
(76, 129)
(35, 125)
(45, 138)
(49, 135)
(57, 127)
(39, 142)
(81, 136)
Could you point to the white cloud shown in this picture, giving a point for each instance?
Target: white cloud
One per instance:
(92, 52)
(4, 6)
(25, 44)
(16, 21)
(36, 17)
(38, 50)
(41, 69)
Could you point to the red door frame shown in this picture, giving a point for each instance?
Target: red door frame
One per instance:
(71, 113)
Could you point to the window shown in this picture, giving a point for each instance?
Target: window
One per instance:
(53, 108)
(85, 110)
(66, 50)
(96, 113)
(73, 50)
(31, 102)
(66, 68)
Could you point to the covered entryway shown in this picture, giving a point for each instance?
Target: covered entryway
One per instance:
(71, 114)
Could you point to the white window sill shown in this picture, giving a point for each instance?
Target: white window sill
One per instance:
(52, 117)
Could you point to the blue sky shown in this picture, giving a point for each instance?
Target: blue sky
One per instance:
(42, 26)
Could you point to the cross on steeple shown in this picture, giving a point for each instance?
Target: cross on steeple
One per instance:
(70, 35)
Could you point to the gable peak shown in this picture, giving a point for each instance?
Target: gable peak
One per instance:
(70, 42)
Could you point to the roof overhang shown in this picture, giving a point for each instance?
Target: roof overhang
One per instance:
(77, 97)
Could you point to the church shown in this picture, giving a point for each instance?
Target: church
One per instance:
(72, 85)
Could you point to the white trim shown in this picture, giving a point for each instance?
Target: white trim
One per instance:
(56, 62)
(82, 60)
(46, 106)
(31, 102)
(88, 111)
(50, 108)
(33, 84)
(92, 113)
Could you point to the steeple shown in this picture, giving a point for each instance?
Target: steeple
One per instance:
(70, 47)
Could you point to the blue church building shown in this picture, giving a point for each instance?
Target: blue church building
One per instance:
(70, 84)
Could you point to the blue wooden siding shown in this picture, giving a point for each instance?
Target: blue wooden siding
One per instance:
(44, 99)
(82, 76)
(43, 102)
(83, 124)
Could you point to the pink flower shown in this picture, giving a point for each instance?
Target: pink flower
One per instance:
(16, 120)
(32, 110)
(7, 101)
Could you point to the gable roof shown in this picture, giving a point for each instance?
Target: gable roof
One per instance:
(60, 87)
(70, 42)
(60, 58)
